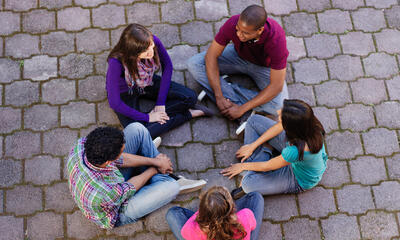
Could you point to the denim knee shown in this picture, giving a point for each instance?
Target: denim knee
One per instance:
(170, 216)
(248, 182)
(135, 128)
(256, 196)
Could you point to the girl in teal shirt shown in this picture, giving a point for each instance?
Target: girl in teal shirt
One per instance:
(298, 136)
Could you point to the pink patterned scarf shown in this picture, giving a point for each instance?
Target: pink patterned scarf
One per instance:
(144, 78)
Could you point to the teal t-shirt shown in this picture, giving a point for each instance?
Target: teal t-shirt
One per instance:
(308, 172)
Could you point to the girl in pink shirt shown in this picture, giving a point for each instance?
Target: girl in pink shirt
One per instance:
(217, 218)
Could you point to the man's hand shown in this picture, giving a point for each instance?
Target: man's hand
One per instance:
(163, 163)
(234, 112)
(223, 103)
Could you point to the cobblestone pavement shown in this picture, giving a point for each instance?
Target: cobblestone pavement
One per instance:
(343, 61)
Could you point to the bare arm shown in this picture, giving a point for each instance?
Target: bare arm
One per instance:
(141, 179)
(162, 162)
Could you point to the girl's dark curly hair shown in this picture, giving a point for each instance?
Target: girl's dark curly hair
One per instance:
(217, 216)
(104, 144)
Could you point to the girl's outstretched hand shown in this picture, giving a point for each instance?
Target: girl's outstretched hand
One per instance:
(233, 170)
(244, 152)
(160, 117)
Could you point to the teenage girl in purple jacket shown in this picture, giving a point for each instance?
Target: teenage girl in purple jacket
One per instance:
(131, 75)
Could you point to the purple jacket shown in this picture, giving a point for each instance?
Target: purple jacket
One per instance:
(115, 84)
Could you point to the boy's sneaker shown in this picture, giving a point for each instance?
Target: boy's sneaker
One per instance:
(157, 142)
(189, 185)
(243, 121)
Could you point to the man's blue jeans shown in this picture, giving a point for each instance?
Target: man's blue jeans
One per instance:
(178, 216)
(230, 63)
(159, 190)
(278, 181)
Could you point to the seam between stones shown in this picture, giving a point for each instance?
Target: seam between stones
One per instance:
(321, 232)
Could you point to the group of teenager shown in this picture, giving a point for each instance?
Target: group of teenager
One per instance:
(117, 177)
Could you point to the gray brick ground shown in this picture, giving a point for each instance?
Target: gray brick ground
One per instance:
(10, 70)
(357, 43)
(281, 7)
(178, 137)
(57, 43)
(159, 217)
(41, 117)
(203, 29)
(393, 165)
(354, 199)
(368, 170)
(183, 11)
(138, 13)
(380, 65)
(78, 114)
(310, 71)
(128, 229)
(92, 88)
(22, 145)
(199, 153)
(340, 226)
(11, 172)
(381, 4)
(58, 198)
(344, 145)
(11, 227)
(23, 200)
(393, 16)
(106, 114)
(304, 227)
(345, 67)
(387, 39)
(211, 9)
(368, 19)
(76, 65)
(21, 93)
(92, 41)
(327, 117)
(311, 204)
(296, 48)
(150, 236)
(168, 34)
(357, 117)
(59, 141)
(79, 227)
(314, 6)
(38, 21)
(305, 93)
(73, 19)
(383, 113)
(58, 91)
(335, 174)
(322, 46)
(340, 98)
(89, 3)
(340, 18)
(280, 207)
(273, 231)
(300, 24)
(214, 178)
(1, 203)
(378, 225)
(180, 54)
(11, 23)
(111, 16)
(40, 68)
(225, 154)
(100, 63)
(380, 141)
(55, 4)
(21, 45)
(210, 130)
(387, 195)
(20, 6)
(46, 225)
(237, 7)
(11, 119)
(362, 89)
(34, 170)
(218, 24)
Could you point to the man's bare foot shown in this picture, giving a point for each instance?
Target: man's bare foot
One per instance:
(196, 113)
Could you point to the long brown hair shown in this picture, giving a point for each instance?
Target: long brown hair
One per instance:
(134, 40)
(217, 216)
(301, 126)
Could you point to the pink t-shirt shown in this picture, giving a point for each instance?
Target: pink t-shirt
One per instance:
(191, 229)
(269, 51)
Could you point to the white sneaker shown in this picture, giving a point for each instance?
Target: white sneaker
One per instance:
(189, 185)
(202, 94)
(157, 141)
(243, 125)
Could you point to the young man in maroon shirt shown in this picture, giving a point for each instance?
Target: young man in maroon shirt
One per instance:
(258, 50)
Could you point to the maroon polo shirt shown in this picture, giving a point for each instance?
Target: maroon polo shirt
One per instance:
(269, 51)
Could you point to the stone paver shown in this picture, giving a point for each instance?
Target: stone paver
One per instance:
(342, 61)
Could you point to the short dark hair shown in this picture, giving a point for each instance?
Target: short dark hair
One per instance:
(254, 15)
(103, 144)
